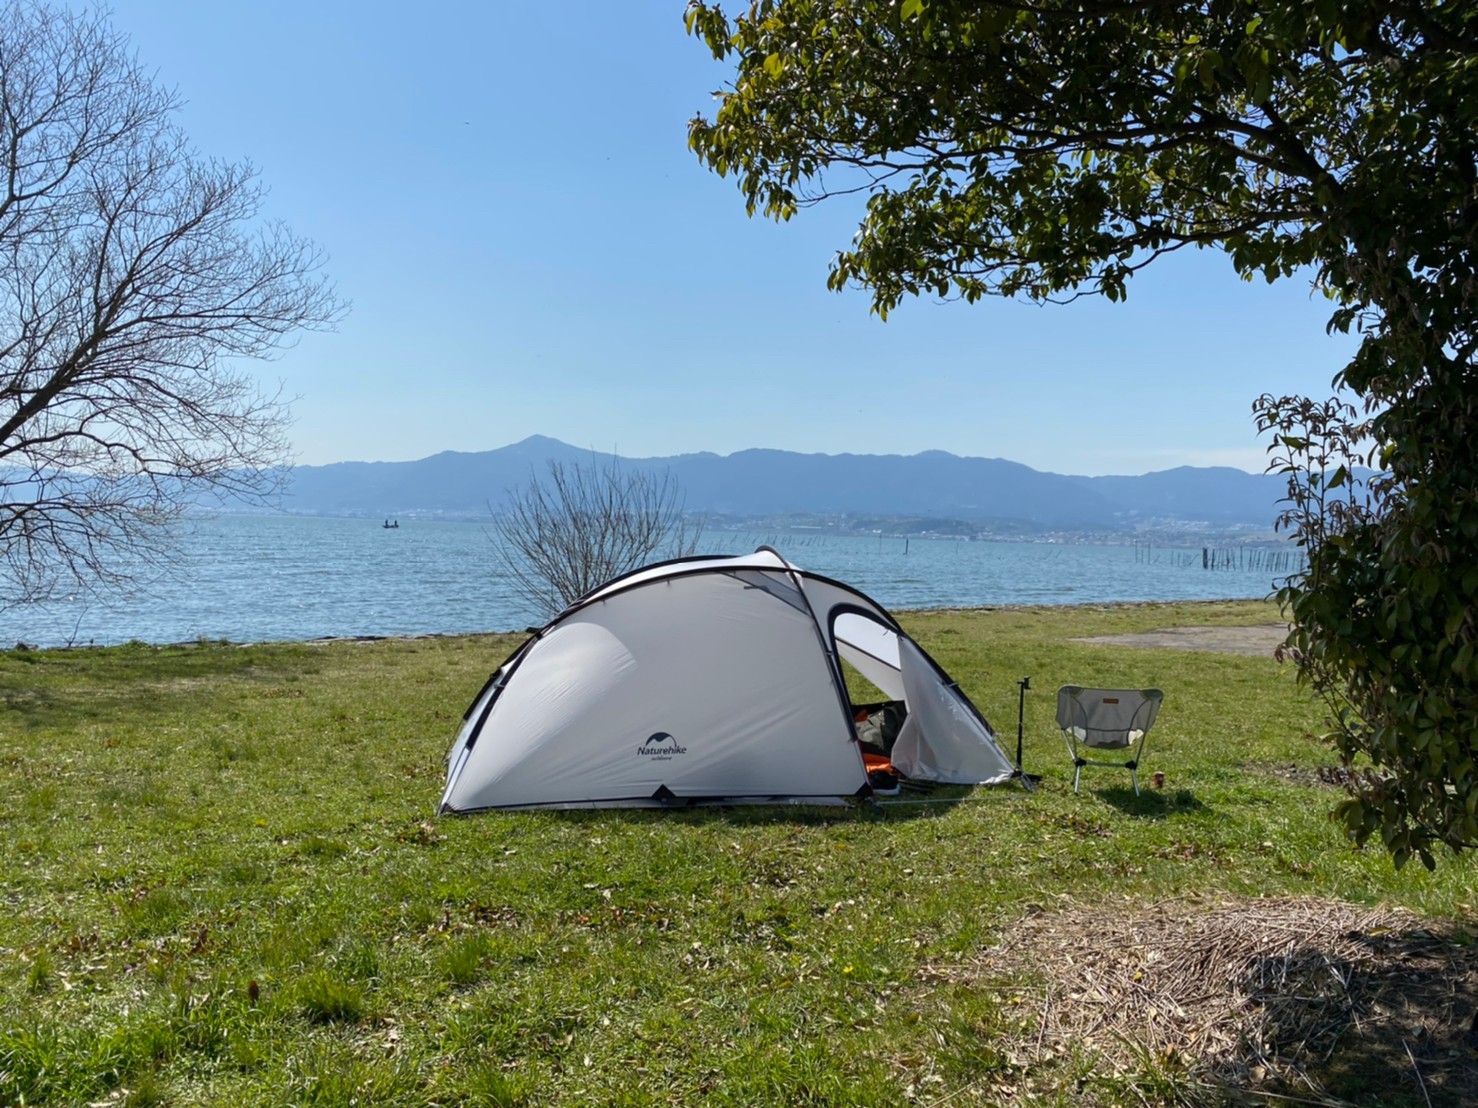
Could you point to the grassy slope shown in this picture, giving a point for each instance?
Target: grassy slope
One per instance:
(223, 883)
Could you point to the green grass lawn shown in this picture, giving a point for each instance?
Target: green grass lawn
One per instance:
(223, 883)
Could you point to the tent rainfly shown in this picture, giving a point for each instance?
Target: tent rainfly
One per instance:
(709, 680)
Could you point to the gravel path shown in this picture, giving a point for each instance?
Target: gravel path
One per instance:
(1262, 638)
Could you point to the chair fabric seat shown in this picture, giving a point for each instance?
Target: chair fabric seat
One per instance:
(1107, 740)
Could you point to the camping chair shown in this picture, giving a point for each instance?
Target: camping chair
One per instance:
(1106, 719)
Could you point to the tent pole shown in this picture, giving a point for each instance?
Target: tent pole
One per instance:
(1023, 685)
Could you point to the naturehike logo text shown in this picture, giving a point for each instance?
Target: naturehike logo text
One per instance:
(661, 747)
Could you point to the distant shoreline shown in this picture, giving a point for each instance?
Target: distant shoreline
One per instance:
(1168, 534)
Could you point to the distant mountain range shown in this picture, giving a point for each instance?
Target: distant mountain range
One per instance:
(770, 483)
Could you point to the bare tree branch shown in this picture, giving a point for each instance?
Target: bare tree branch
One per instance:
(133, 276)
(583, 524)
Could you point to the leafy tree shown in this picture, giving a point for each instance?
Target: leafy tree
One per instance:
(133, 274)
(1050, 149)
(561, 536)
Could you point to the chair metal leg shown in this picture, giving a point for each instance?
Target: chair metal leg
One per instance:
(1134, 776)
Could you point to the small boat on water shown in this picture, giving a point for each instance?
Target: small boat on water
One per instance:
(389, 526)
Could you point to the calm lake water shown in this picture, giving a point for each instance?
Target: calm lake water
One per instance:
(271, 578)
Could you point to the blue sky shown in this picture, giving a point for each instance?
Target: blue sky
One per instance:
(507, 199)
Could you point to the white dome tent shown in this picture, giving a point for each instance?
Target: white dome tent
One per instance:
(709, 680)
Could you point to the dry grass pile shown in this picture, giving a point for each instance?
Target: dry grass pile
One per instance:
(1303, 997)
